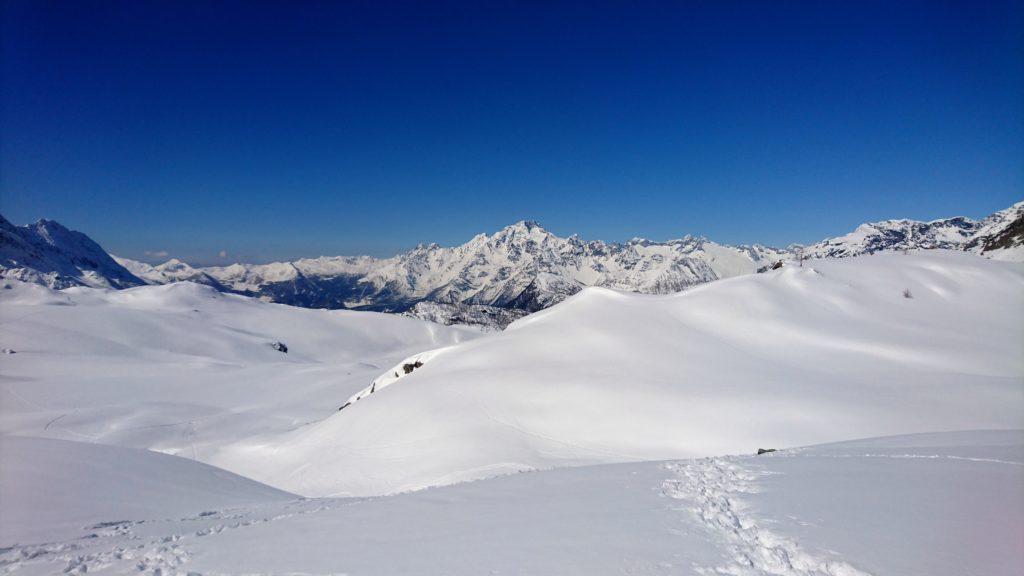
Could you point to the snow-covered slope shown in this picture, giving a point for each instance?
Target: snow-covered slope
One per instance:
(56, 490)
(998, 236)
(1001, 235)
(796, 356)
(932, 505)
(50, 254)
(889, 235)
(488, 318)
(185, 369)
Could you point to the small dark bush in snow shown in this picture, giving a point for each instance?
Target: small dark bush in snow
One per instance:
(907, 294)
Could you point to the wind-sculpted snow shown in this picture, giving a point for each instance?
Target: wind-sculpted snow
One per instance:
(795, 356)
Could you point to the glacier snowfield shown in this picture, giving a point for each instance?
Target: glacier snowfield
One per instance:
(162, 430)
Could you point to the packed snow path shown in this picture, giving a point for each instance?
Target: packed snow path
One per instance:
(922, 505)
(716, 486)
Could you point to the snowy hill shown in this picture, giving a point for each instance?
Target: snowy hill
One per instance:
(928, 505)
(185, 369)
(795, 356)
(53, 489)
(50, 254)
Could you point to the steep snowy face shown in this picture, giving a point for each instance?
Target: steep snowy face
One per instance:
(888, 235)
(1001, 235)
(48, 253)
(840, 348)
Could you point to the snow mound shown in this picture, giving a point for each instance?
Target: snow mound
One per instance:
(797, 356)
(55, 489)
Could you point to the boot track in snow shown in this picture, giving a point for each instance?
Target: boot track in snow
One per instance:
(715, 486)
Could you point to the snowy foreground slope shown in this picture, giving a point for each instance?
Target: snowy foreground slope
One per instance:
(184, 369)
(797, 356)
(927, 505)
(52, 489)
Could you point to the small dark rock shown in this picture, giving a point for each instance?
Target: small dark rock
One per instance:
(410, 367)
(8, 351)
(764, 450)
(279, 346)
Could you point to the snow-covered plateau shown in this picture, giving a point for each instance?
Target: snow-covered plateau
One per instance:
(176, 429)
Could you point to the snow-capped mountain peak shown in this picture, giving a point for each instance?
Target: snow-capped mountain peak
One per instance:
(48, 253)
(522, 266)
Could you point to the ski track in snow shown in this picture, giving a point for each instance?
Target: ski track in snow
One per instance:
(716, 486)
(161, 555)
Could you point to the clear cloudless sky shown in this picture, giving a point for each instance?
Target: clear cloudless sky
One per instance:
(276, 130)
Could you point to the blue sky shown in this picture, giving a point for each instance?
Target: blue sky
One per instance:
(281, 130)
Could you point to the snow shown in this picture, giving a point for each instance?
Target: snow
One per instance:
(600, 388)
(938, 505)
(184, 369)
(791, 357)
(57, 490)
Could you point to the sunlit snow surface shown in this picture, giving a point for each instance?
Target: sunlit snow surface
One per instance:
(932, 505)
(799, 356)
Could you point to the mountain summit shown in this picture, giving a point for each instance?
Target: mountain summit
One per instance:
(48, 253)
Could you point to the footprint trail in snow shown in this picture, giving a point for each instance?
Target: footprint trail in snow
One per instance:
(716, 486)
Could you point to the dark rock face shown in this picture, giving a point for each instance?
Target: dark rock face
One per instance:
(1011, 236)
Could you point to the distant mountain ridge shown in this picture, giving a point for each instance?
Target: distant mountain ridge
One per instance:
(522, 267)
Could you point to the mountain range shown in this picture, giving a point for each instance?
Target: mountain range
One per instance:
(492, 279)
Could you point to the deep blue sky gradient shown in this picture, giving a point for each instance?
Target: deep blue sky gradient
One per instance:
(281, 130)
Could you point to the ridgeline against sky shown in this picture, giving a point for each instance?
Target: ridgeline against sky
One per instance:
(223, 131)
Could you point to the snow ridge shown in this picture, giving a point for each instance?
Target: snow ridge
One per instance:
(716, 485)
